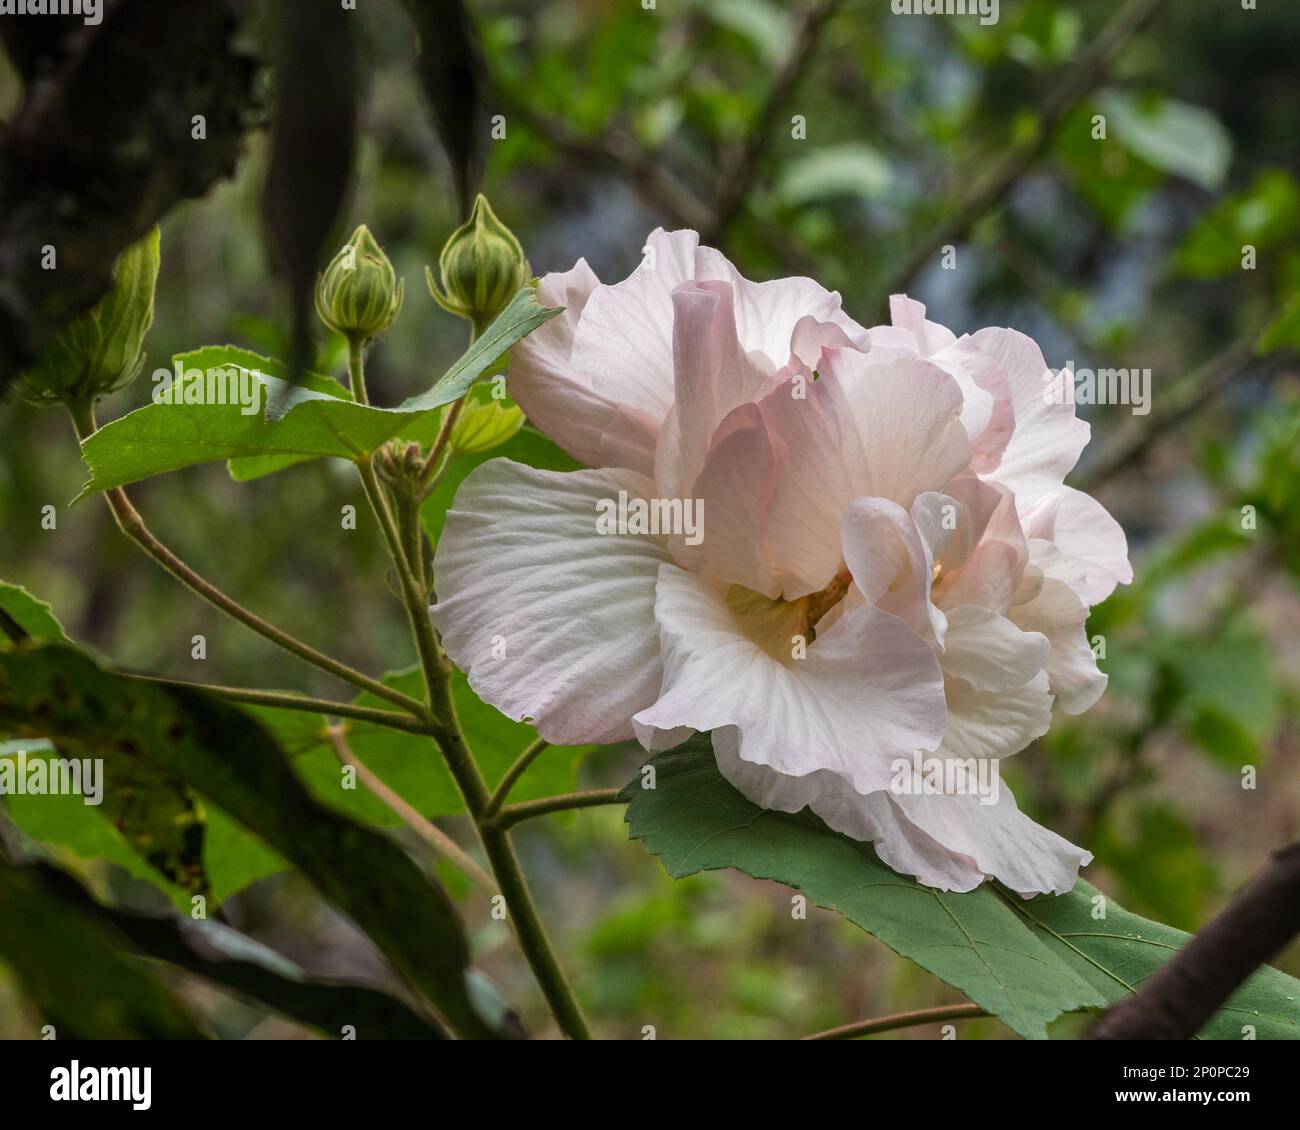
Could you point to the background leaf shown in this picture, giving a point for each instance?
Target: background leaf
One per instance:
(31, 614)
(56, 691)
(72, 968)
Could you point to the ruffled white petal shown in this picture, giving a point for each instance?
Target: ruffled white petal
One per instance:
(1080, 527)
(1048, 437)
(867, 692)
(1057, 611)
(951, 842)
(548, 618)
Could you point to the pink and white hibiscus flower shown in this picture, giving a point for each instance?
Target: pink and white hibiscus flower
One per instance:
(890, 564)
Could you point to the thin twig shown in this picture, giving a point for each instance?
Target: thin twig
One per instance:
(739, 171)
(1193, 394)
(644, 171)
(1175, 1002)
(522, 762)
(512, 814)
(436, 670)
(288, 700)
(131, 523)
(899, 1020)
(429, 832)
(982, 193)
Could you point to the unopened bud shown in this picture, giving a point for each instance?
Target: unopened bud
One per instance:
(482, 266)
(359, 294)
(481, 427)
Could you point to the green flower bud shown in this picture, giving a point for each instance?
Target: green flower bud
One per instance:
(359, 295)
(481, 427)
(482, 266)
(99, 351)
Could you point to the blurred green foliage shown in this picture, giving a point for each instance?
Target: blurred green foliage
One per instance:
(1125, 250)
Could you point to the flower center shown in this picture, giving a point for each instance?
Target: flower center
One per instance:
(775, 624)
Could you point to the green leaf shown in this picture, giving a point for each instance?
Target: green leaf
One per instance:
(1175, 137)
(68, 826)
(1282, 330)
(851, 169)
(289, 422)
(222, 753)
(246, 966)
(1264, 216)
(694, 820)
(1025, 961)
(1119, 951)
(1231, 675)
(32, 615)
(154, 813)
(234, 857)
(71, 966)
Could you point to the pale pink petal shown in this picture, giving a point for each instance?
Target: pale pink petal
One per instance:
(930, 337)
(557, 396)
(822, 468)
(548, 618)
(712, 375)
(984, 563)
(867, 691)
(989, 652)
(892, 561)
(734, 490)
(952, 843)
(998, 840)
(987, 415)
(1057, 611)
(624, 343)
(1081, 528)
(768, 313)
(907, 415)
(1048, 437)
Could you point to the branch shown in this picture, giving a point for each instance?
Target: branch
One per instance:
(517, 770)
(131, 523)
(429, 832)
(288, 700)
(992, 189)
(645, 172)
(1180, 997)
(512, 814)
(739, 171)
(899, 1020)
(1202, 386)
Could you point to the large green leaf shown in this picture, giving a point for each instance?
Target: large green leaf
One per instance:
(309, 420)
(225, 755)
(140, 809)
(1024, 961)
(1116, 951)
(146, 821)
(71, 966)
(239, 963)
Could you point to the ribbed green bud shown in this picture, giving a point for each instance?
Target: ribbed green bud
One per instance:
(482, 426)
(482, 266)
(359, 294)
(99, 351)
